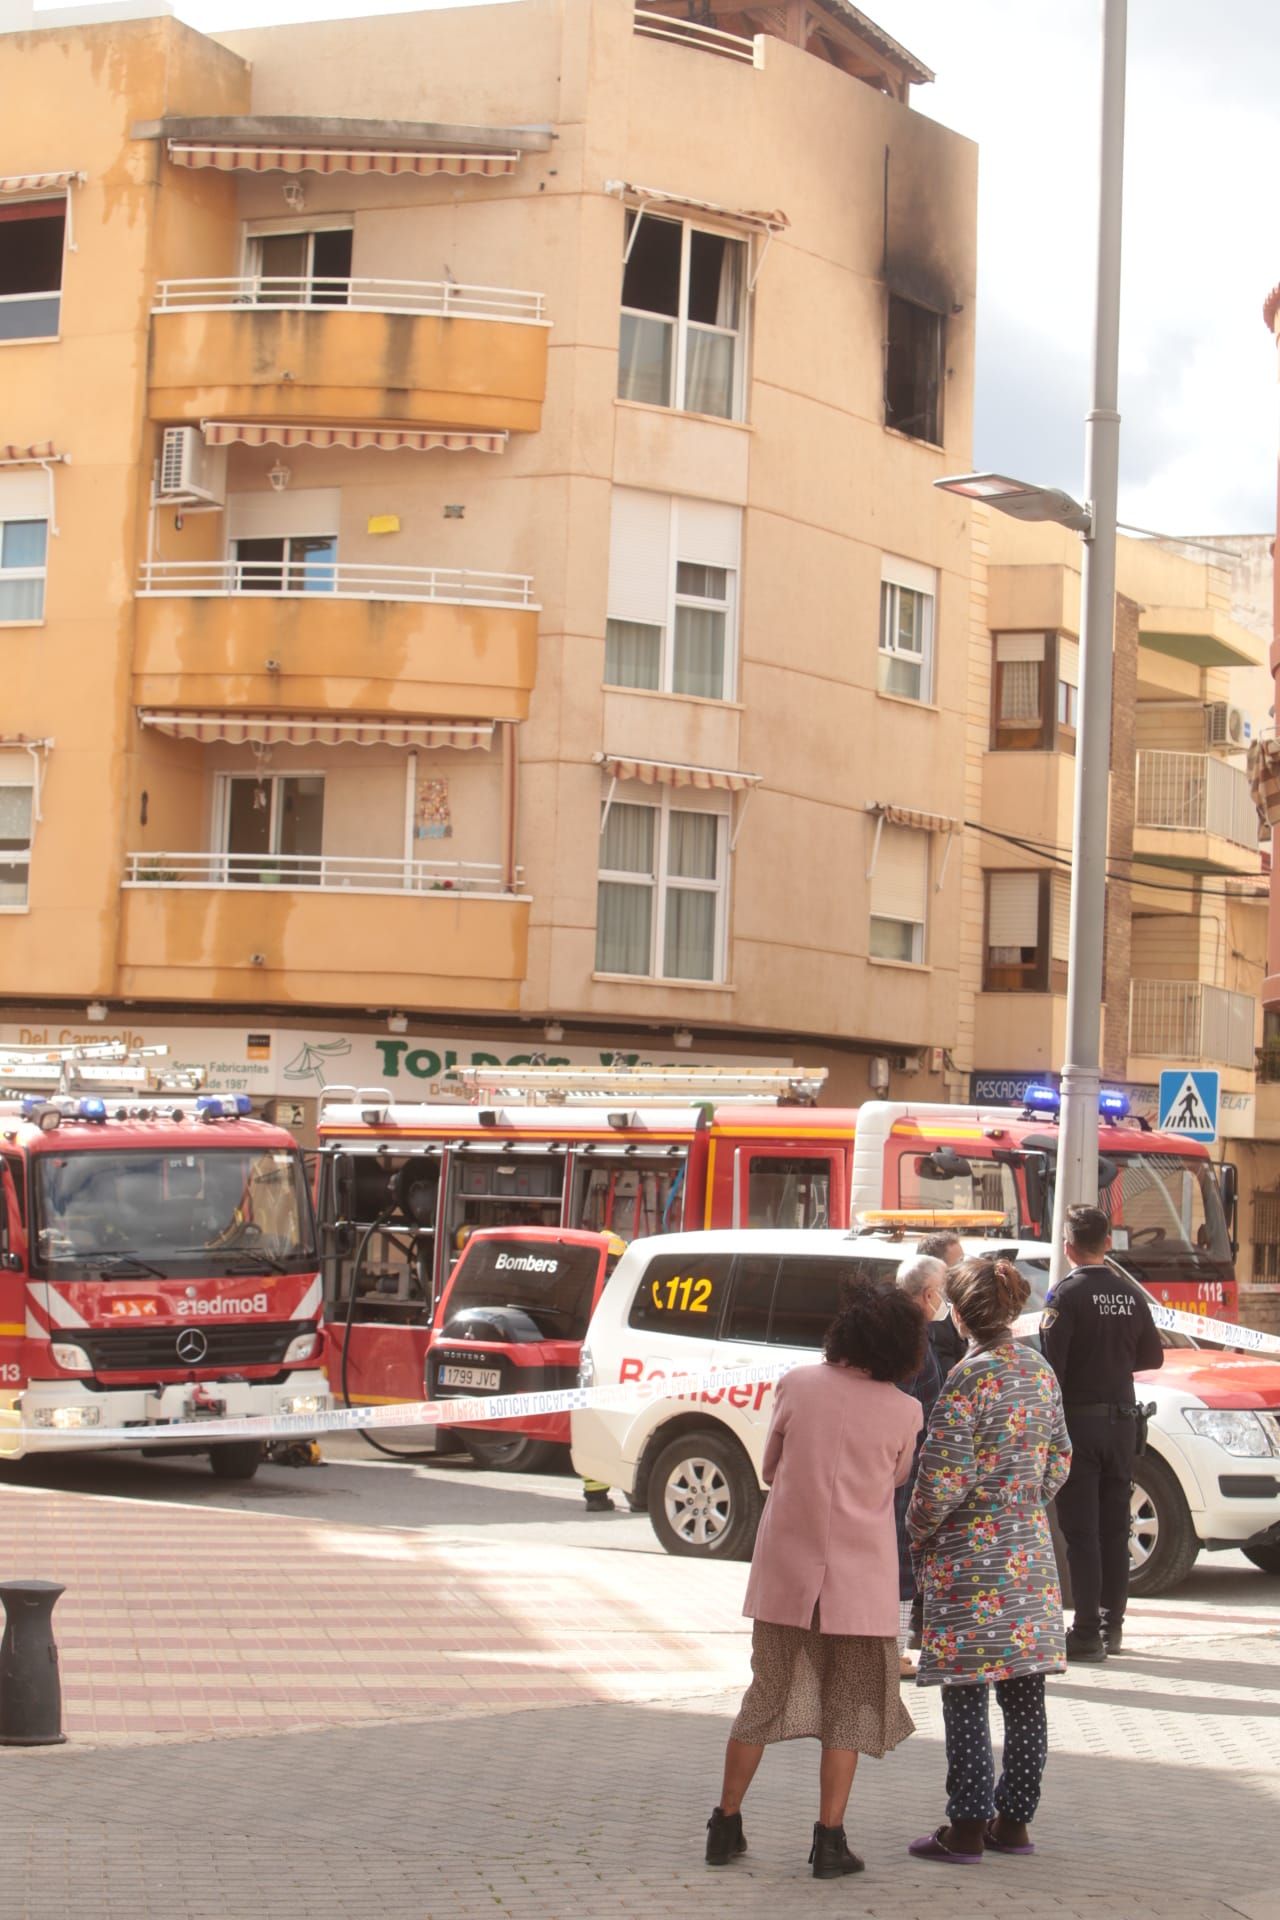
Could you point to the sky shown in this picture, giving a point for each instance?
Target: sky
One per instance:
(1201, 243)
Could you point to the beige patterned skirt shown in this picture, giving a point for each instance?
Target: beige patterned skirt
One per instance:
(841, 1689)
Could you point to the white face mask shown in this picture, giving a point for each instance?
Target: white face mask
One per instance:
(944, 1311)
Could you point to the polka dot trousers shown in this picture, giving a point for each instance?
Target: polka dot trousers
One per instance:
(972, 1792)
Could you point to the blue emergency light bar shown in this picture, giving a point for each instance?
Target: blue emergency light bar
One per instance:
(212, 1106)
(93, 1108)
(1112, 1104)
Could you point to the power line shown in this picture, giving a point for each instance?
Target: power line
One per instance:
(1061, 857)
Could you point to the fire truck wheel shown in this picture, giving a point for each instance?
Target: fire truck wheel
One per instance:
(1267, 1558)
(703, 1497)
(513, 1452)
(1162, 1540)
(237, 1460)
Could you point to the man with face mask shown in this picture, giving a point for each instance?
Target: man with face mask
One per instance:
(948, 1345)
(922, 1280)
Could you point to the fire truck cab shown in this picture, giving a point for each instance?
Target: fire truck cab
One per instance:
(157, 1259)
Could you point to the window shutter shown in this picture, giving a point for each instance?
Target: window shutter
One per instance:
(640, 556)
(908, 573)
(1019, 646)
(1069, 662)
(1061, 916)
(708, 532)
(1013, 909)
(24, 494)
(900, 884)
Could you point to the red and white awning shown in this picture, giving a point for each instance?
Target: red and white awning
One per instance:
(226, 433)
(228, 158)
(669, 773)
(912, 817)
(36, 455)
(11, 183)
(316, 730)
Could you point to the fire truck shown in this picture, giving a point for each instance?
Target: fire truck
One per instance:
(651, 1151)
(157, 1256)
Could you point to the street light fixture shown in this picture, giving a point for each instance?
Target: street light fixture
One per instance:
(1020, 498)
(1077, 1170)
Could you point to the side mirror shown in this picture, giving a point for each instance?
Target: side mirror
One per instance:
(343, 1174)
(944, 1163)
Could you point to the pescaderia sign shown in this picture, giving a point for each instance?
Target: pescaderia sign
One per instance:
(299, 1063)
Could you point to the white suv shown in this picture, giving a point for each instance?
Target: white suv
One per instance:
(687, 1303)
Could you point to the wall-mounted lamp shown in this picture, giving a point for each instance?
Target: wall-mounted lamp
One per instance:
(553, 1032)
(279, 476)
(682, 1037)
(397, 1023)
(295, 197)
(96, 1011)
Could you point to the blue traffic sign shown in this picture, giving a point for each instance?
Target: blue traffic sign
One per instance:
(1189, 1102)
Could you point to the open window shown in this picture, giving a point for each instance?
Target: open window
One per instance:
(17, 826)
(32, 242)
(1028, 919)
(683, 312)
(908, 597)
(913, 370)
(1035, 696)
(273, 828)
(308, 267)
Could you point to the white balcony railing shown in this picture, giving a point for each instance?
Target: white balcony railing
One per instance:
(692, 33)
(1198, 793)
(445, 298)
(1186, 1020)
(341, 580)
(324, 872)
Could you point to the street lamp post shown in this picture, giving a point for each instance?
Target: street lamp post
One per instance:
(1077, 1170)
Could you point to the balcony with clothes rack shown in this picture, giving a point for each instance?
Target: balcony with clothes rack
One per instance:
(299, 629)
(332, 347)
(1186, 1021)
(1195, 812)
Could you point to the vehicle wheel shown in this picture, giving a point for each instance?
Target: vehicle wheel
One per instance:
(238, 1460)
(512, 1452)
(704, 1500)
(1162, 1541)
(1268, 1558)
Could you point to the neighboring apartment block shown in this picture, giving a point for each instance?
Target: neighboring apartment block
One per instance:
(468, 561)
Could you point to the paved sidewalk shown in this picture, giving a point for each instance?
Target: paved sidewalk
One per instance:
(371, 1721)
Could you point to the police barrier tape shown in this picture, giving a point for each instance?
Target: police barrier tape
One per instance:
(513, 1406)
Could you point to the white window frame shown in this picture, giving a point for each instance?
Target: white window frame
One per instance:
(16, 858)
(288, 564)
(26, 573)
(62, 199)
(919, 955)
(259, 230)
(265, 776)
(660, 882)
(898, 576)
(680, 320)
(674, 599)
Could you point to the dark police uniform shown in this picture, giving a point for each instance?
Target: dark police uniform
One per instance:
(1096, 1333)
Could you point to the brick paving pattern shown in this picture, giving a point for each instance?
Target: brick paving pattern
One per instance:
(275, 1717)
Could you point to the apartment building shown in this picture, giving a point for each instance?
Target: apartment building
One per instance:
(470, 580)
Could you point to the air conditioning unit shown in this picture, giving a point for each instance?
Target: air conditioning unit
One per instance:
(189, 470)
(1226, 726)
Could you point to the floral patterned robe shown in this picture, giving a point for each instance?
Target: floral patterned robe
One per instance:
(995, 1453)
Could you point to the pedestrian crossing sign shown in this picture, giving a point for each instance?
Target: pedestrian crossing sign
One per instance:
(1189, 1103)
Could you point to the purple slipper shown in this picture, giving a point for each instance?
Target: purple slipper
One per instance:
(933, 1847)
(1002, 1846)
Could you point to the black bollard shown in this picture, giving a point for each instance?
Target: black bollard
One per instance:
(30, 1688)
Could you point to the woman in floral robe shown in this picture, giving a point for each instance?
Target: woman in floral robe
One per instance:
(995, 1453)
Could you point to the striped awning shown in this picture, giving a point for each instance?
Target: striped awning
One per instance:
(759, 220)
(911, 817)
(226, 433)
(316, 730)
(227, 158)
(37, 182)
(32, 456)
(668, 773)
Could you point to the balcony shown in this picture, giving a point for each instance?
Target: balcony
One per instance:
(348, 350)
(1189, 1023)
(332, 635)
(1196, 812)
(244, 929)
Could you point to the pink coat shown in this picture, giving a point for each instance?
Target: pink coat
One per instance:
(838, 1445)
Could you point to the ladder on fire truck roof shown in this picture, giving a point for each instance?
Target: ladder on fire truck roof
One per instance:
(571, 1086)
(93, 1067)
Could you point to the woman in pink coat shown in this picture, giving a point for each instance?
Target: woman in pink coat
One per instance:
(823, 1590)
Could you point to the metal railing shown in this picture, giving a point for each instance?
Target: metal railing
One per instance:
(1198, 793)
(342, 580)
(1186, 1020)
(691, 33)
(323, 872)
(445, 298)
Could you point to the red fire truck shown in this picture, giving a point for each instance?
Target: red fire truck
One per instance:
(157, 1257)
(656, 1150)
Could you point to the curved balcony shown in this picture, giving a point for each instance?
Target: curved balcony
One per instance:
(335, 636)
(348, 350)
(320, 929)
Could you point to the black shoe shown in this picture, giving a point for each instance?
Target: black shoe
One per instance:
(725, 1838)
(1113, 1637)
(830, 1854)
(599, 1502)
(1085, 1649)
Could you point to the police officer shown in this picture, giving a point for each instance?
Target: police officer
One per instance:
(1096, 1332)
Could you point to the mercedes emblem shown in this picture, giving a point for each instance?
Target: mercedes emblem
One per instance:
(192, 1346)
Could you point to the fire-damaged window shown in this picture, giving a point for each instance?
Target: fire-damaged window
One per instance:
(913, 370)
(31, 237)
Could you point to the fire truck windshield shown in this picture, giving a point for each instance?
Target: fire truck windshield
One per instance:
(1164, 1209)
(105, 1214)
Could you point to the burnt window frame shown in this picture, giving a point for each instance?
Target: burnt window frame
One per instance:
(898, 301)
